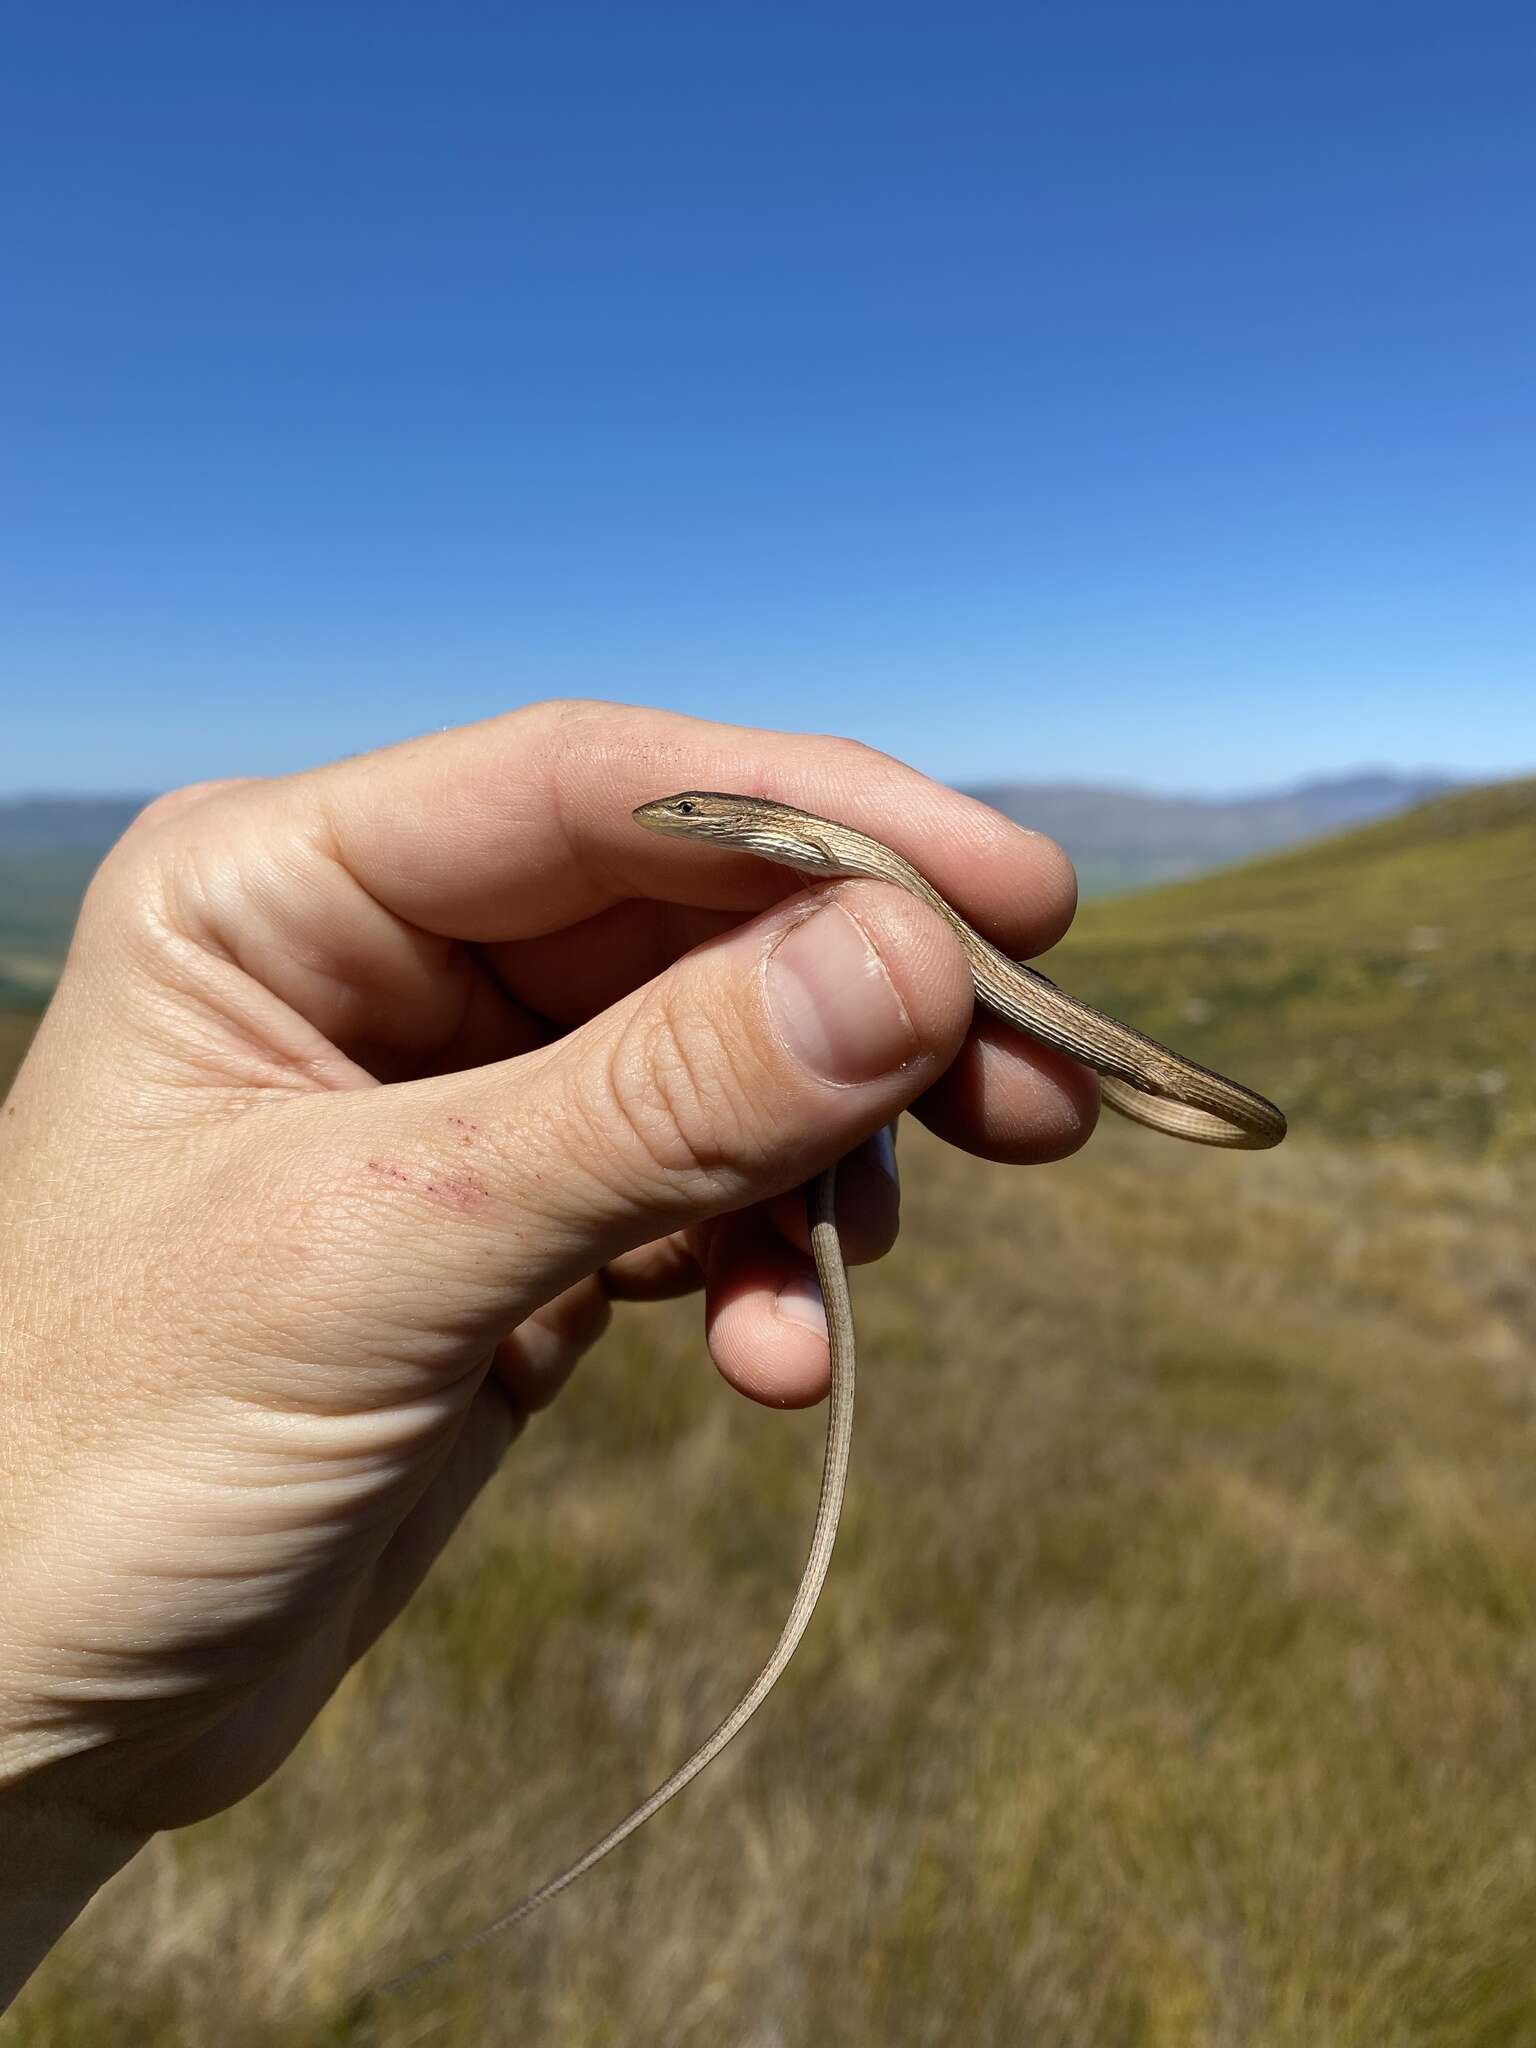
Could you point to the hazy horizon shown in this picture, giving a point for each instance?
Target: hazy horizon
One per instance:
(991, 778)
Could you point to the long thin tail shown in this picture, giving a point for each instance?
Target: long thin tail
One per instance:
(830, 1272)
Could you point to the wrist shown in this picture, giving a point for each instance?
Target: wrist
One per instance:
(55, 1858)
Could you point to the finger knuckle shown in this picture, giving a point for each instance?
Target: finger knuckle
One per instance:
(564, 719)
(124, 898)
(867, 766)
(680, 1101)
(143, 879)
(171, 803)
(851, 749)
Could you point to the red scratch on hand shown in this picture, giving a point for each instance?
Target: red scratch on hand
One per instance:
(462, 1191)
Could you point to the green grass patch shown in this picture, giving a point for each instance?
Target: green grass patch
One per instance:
(1378, 985)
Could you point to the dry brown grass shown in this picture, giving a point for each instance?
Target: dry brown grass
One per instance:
(1174, 1686)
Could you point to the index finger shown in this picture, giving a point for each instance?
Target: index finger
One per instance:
(521, 826)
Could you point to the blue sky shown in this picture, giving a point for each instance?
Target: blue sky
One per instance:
(1124, 392)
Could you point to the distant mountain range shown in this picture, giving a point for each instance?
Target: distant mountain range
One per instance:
(65, 824)
(1147, 835)
(1120, 839)
(1127, 838)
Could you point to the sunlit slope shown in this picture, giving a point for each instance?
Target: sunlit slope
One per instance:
(1172, 1687)
(1379, 984)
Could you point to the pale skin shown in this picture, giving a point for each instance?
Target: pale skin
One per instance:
(365, 1093)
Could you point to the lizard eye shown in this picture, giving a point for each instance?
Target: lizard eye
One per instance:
(686, 808)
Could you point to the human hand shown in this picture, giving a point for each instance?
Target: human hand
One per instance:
(362, 1095)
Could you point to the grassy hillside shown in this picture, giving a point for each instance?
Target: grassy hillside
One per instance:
(1382, 984)
(1173, 1687)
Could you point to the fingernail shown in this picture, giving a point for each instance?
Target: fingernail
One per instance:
(882, 1150)
(833, 1002)
(799, 1301)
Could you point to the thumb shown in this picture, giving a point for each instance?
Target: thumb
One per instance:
(745, 1068)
